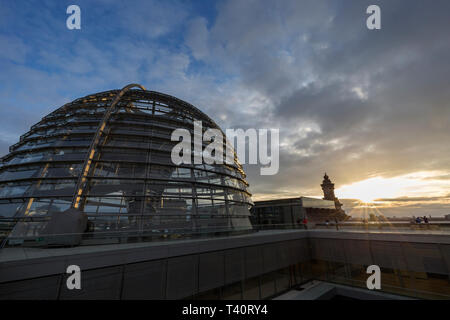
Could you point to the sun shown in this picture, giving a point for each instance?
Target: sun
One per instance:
(374, 188)
(415, 184)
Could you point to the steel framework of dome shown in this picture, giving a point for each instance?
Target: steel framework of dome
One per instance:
(108, 155)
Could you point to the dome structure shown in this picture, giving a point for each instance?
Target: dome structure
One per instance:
(108, 155)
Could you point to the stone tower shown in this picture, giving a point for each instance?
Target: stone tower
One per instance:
(328, 191)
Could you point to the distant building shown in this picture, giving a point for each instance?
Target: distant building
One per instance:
(328, 191)
(291, 211)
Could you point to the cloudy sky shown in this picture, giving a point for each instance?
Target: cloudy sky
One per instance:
(369, 107)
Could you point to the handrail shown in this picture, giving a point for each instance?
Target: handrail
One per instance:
(152, 231)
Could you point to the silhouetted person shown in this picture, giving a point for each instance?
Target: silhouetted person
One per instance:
(337, 223)
(305, 223)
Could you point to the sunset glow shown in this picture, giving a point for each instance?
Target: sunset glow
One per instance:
(418, 184)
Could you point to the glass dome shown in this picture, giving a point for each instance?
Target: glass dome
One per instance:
(109, 155)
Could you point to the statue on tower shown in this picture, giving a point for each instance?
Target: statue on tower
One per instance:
(328, 192)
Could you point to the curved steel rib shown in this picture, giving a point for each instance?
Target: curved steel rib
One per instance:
(93, 147)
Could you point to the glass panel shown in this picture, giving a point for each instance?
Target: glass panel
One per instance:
(162, 172)
(267, 285)
(181, 173)
(235, 196)
(232, 291)
(282, 280)
(42, 207)
(8, 210)
(203, 192)
(251, 289)
(13, 190)
(213, 294)
(19, 174)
